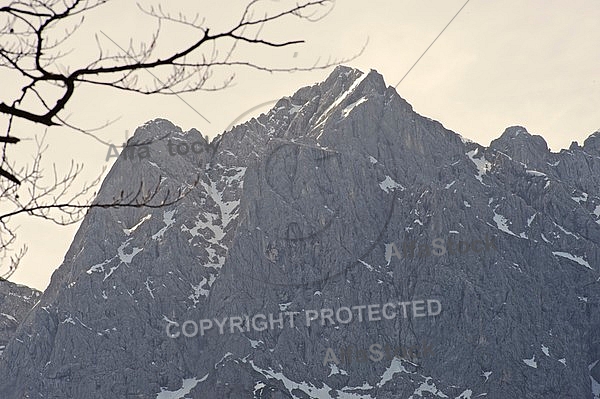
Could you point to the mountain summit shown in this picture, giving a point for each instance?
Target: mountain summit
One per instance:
(338, 246)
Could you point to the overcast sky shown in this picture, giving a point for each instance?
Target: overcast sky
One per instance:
(500, 63)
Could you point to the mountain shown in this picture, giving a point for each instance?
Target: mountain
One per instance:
(15, 301)
(338, 246)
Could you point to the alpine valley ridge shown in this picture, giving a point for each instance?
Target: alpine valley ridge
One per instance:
(309, 207)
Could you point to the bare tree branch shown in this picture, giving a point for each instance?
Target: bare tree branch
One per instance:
(29, 56)
(34, 36)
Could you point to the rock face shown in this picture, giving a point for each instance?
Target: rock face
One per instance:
(286, 268)
(15, 301)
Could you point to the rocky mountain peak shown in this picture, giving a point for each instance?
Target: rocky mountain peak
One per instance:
(522, 146)
(592, 143)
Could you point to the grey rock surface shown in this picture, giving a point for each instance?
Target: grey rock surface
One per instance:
(15, 301)
(297, 210)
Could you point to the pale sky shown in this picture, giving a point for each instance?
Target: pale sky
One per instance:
(500, 63)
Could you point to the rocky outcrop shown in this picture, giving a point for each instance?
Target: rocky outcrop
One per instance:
(15, 301)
